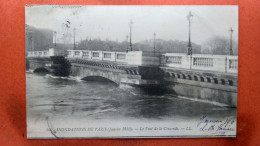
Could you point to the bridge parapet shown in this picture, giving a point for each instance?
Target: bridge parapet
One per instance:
(130, 58)
(47, 53)
(218, 63)
(98, 55)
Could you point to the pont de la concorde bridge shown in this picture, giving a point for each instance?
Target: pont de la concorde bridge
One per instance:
(211, 78)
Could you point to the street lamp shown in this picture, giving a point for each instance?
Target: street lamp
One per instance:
(154, 43)
(74, 38)
(189, 17)
(231, 50)
(126, 42)
(130, 26)
(29, 36)
(55, 33)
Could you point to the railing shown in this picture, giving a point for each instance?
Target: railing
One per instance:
(219, 63)
(203, 62)
(120, 57)
(85, 54)
(232, 62)
(47, 53)
(173, 59)
(98, 55)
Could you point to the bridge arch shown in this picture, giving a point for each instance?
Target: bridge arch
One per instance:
(183, 76)
(195, 78)
(202, 79)
(41, 70)
(222, 81)
(208, 79)
(230, 82)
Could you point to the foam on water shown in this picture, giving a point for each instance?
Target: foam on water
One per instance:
(75, 78)
(204, 101)
(29, 71)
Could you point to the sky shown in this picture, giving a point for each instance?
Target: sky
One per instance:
(112, 22)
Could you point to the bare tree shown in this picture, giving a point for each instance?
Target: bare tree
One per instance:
(218, 46)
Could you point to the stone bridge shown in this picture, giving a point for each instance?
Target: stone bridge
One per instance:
(202, 78)
(56, 65)
(118, 73)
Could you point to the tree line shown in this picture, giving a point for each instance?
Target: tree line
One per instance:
(216, 46)
(42, 39)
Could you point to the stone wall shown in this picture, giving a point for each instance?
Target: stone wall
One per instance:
(35, 63)
(208, 87)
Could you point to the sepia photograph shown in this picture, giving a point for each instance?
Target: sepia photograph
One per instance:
(131, 71)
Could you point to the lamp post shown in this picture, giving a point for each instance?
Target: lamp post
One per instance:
(154, 43)
(189, 43)
(130, 26)
(127, 43)
(189, 17)
(74, 38)
(231, 50)
(29, 34)
(55, 33)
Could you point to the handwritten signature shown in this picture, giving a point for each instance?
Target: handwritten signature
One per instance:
(216, 126)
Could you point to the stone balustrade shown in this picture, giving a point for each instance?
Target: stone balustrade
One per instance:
(135, 58)
(204, 62)
(121, 57)
(218, 63)
(46, 53)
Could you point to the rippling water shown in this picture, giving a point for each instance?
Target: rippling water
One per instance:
(71, 97)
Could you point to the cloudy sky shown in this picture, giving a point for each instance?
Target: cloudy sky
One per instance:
(112, 22)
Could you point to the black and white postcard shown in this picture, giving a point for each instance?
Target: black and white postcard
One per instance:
(131, 71)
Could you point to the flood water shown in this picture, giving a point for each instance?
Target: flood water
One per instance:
(50, 96)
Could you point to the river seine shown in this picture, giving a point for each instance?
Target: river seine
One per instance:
(71, 100)
(54, 96)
